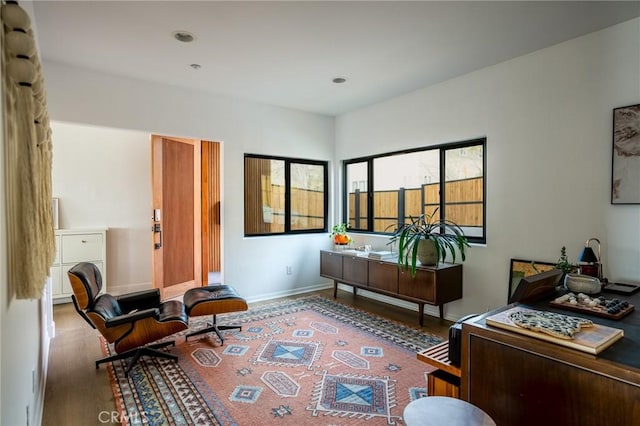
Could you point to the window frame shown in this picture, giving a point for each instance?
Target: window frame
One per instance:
(442, 148)
(288, 161)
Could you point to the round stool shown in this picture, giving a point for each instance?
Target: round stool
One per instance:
(442, 410)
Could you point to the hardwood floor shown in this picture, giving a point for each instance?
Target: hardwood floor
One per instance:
(78, 394)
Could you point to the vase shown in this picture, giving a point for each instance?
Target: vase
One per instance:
(427, 253)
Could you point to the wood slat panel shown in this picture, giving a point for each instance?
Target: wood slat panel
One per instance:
(256, 171)
(438, 356)
(213, 194)
(307, 206)
(204, 199)
(424, 200)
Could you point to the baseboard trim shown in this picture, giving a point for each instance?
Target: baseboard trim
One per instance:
(290, 292)
(41, 390)
(129, 288)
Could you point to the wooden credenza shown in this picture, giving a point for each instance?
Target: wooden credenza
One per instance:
(520, 380)
(435, 285)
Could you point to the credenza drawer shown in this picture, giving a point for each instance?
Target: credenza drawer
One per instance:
(383, 276)
(354, 269)
(331, 265)
(423, 286)
(82, 248)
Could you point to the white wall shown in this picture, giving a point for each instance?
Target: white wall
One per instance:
(118, 185)
(547, 117)
(102, 178)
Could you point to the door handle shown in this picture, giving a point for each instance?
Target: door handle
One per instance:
(156, 229)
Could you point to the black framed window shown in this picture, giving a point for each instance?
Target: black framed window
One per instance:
(284, 195)
(447, 180)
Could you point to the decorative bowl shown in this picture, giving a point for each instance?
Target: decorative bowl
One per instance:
(582, 284)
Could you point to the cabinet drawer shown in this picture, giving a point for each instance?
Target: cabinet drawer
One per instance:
(354, 270)
(423, 286)
(383, 276)
(331, 265)
(82, 248)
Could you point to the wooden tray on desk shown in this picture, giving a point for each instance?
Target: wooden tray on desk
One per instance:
(592, 340)
(598, 311)
(621, 288)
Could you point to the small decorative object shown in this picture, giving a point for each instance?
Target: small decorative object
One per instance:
(582, 284)
(590, 264)
(339, 234)
(625, 179)
(600, 306)
(428, 240)
(563, 262)
(551, 323)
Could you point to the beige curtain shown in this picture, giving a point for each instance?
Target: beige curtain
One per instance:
(27, 150)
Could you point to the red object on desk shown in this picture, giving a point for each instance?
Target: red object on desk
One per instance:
(591, 270)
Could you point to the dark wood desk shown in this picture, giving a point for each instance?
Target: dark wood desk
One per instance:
(520, 380)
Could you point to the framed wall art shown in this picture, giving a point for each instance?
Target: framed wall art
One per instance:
(625, 171)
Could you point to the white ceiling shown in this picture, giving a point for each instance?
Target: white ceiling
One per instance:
(287, 53)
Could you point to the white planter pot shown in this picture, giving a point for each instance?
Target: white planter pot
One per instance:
(427, 254)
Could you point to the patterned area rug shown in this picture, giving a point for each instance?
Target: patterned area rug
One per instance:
(299, 362)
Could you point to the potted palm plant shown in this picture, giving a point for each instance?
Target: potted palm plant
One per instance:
(429, 240)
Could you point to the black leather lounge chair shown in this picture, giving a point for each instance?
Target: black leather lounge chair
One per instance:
(131, 321)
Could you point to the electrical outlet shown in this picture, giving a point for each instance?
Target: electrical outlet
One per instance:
(289, 270)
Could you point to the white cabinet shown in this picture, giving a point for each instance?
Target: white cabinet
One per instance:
(72, 247)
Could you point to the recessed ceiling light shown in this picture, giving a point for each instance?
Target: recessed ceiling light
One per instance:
(183, 36)
(339, 80)
(195, 66)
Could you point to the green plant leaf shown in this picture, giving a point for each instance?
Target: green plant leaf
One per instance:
(447, 236)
